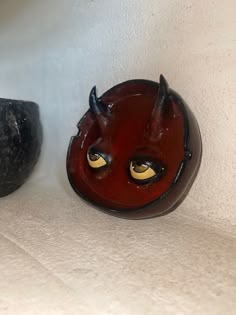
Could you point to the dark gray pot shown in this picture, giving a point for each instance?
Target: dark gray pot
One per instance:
(20, 143)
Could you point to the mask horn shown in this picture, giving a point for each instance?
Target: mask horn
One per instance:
(163, 90)
(161, 104)
(97, 108)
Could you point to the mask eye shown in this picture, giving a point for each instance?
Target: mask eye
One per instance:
(144, 171)
(141, 171)
(95, 160)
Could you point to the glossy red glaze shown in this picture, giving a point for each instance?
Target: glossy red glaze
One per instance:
(127, 135)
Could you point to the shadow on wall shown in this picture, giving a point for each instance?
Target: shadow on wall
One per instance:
(10, 9)
(25, 24)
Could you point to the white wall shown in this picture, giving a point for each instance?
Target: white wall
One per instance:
(53, 52)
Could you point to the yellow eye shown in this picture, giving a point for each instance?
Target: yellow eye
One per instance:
(95, 160)
(141, 171)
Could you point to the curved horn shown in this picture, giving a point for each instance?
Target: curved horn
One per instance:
(161, 102)
(94, 104)
(163, 90)
(97, 108)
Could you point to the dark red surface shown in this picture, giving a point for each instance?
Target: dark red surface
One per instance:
(134, 129)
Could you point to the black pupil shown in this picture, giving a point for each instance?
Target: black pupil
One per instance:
(140, 167)
(94, 157)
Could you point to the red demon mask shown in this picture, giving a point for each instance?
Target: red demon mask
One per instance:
(137, 152)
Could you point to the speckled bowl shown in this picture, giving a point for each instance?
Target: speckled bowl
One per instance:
(20, 143)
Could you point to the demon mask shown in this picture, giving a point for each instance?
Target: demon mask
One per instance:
(137, 152)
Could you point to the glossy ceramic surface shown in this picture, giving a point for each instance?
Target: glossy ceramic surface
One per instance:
(137, 152)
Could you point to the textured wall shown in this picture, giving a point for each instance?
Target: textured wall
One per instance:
(53, 52)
